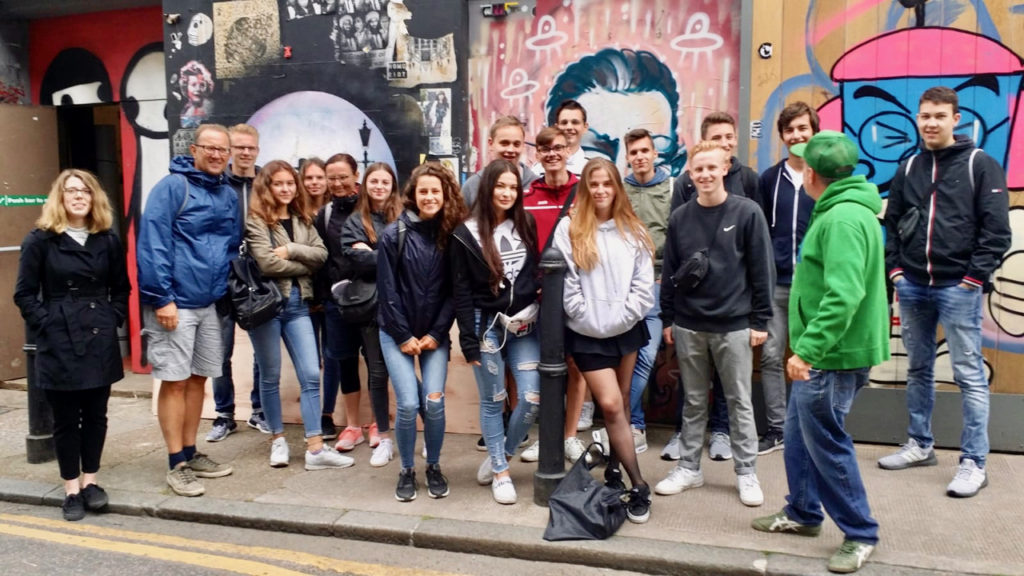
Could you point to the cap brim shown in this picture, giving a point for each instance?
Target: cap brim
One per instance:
(798, 149)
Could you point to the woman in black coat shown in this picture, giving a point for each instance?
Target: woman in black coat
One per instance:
(73, 293)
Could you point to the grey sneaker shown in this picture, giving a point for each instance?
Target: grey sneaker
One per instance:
(779, 522)
(204, 467)
(183, 481)
(258, 422)
(485, 473)
(326, 458)
(672, 450)
(770, 442)
(910, 454)
(719, 446)
(221, 429)
(639, 440)
(850, 557)
(968, 481)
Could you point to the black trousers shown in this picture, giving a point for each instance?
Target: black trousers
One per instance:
(79, 429)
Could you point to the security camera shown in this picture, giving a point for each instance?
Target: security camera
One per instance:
(172, 19)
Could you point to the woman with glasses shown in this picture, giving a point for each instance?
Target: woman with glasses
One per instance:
(72, 290)
(280, 235)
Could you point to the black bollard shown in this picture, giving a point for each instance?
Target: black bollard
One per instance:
(553, 370)
(39, 442)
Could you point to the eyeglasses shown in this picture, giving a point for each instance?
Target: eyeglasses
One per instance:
(212, 150)
(557, 149)
(77, 191)
(247, 149)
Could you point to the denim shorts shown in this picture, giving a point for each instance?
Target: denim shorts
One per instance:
(194, 347)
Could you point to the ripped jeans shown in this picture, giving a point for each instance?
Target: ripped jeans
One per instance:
(523, 355)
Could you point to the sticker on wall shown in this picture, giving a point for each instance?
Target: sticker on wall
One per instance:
(419, 60)
(437, 119)
(298, 9)
(200, 29)
(182, 140)
(195, 87)
(452, 164)
(362, 33)
(247, 35)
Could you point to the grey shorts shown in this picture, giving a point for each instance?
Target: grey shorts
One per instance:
(194, 347)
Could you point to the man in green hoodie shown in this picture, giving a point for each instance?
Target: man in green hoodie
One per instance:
(838, 329)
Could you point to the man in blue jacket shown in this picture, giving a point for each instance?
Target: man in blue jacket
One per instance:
(187, 234)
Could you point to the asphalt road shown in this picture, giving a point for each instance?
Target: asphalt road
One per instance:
(36, 541)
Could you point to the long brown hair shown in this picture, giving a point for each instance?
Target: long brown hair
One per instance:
(392, 206)
(263, 204)
(55, 218)
(486, 219)
(583, 224)
(453, 212)
(315, 203)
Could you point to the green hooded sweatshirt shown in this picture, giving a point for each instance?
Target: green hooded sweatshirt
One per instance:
(838, 313)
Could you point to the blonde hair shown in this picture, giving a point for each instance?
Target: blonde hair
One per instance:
(583, 224)
(55, 218)
(706, 146)
(243, 129)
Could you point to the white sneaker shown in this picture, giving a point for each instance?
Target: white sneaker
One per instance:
(968, 481)
(503, 490)
(382, 454)
(750, 489)
(279, 453)
(600, 436)
(531, 454)
(910, 454)
(673, 449)
(485, 473)
(639, 440)
(679, 479)
(586, 420)
(719, 446)
(574, 449)
(327, 458)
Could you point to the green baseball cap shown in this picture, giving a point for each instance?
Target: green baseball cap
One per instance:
(831, 154)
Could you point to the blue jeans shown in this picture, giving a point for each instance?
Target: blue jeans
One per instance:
(341, 356)
(523, 356)
(292, 325)
(645, 363)
(224, 385)
(411, 397)
(959, 311)
(821, 465)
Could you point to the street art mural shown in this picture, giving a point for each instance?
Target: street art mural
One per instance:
(112, 57)
(14, 86)
(655, 64)
(865, 64)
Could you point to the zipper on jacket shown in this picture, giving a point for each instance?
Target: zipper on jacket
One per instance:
(931, 224)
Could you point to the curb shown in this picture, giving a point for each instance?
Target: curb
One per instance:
(483, 538)
(115, 392)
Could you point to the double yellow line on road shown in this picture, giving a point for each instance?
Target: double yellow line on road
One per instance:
(216, 555)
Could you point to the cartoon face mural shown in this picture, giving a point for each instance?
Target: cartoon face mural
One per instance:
(75, 76)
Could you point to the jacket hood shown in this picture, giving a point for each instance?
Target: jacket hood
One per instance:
(660, 175)
(734, 166)
(852, 189)
(961, 143)
(346, 203)
(235, 179)
(185, 165)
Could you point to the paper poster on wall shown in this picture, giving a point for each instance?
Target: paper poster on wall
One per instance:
(362, 33)
(452, 164)
(195, 91)
(437, 118)
(298, 9)
(247, 35)
(419, 60)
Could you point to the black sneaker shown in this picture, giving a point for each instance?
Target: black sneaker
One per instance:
(481, 446)
(327, 429)
(73, 507)
(770, 442)
(95, 497)
(638, 504)
(613, 479)
(406, 490)
(437, 484)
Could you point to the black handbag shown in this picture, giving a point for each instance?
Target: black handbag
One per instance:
(255, 300)
(582, 507)
(693, 270)
(356, 299)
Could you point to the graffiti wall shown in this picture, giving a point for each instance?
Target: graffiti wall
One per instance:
(864, 64)
(655, 64)
(14, 87)
(317, 77)
(111, 57)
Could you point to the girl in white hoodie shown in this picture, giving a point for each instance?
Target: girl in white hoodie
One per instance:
(609, 288)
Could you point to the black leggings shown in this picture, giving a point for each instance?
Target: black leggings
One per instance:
(79, 429)
(376, 375)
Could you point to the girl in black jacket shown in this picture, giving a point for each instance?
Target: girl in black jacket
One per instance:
(415, 311)
(379, 205)
(494, 262)
(73, 291)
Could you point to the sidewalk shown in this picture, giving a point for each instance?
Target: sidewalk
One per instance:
(704, 531)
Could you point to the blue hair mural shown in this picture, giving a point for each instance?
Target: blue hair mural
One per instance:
(603, 83)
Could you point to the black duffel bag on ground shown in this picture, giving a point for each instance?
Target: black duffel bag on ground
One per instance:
(582, 507)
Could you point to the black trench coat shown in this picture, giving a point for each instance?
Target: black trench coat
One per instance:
(73, 297)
